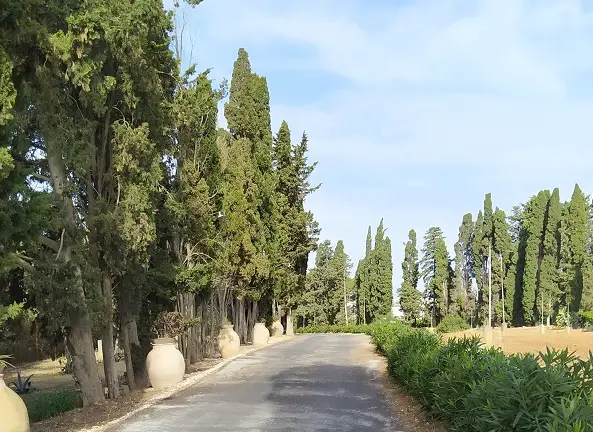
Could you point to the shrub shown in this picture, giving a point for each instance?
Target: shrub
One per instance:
(586, 318)
(43, 405)
(336, 328)
(475, 389)
(452, 323)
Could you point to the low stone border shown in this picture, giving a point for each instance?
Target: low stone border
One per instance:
(188, 381)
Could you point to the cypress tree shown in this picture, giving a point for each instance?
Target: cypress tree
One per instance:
(434, 269)
(464, 262)
(549, 273)
(409, 296)
(573, 238)
(501, 263)
(478, 255)
(534, 223)
(363, 282)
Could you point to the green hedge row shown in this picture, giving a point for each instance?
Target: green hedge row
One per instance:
(477, 389)
(337, 328)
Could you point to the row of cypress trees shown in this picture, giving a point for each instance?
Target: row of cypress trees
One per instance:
(539, 259)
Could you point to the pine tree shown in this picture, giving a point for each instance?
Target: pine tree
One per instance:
(409, 296)
(434, 269)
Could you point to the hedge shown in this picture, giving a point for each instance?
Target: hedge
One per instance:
(478, 389)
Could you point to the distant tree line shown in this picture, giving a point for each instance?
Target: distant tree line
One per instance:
(538, 262)
(333, 297)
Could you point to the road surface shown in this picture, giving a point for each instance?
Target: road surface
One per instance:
(311, 383)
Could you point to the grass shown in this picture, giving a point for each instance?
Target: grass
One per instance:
(47, 404)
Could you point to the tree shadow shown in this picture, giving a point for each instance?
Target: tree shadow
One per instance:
(324, 397)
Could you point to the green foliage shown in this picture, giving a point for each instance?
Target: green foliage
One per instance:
(4, 361)
(586, 318)
(409, 296)
(475, 389)
(23, 386)
(335, 328)
(452, 323)
(48, 404)
(434, 269)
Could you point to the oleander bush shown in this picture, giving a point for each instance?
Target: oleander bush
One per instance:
(452, 323)
(476, 389)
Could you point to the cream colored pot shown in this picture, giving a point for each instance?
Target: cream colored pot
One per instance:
(228, 341)
(277, 329)
(13, 412)
(165, 363)
(260, 334)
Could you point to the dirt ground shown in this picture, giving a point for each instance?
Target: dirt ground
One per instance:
(530, 339)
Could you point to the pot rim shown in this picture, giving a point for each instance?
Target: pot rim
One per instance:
(163, 341)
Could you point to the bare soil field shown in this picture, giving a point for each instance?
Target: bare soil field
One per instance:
(530, 339)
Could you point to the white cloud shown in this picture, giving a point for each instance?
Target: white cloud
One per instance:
(442, 102)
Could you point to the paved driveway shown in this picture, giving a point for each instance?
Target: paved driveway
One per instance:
(311, 383)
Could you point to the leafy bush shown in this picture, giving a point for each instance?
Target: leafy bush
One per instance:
(44, 405)
(452, 323)
(475, 389)
(337, 328)
(586, 318)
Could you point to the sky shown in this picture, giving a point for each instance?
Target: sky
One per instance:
(415, 109)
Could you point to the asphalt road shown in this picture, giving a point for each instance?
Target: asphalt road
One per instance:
(312, 383)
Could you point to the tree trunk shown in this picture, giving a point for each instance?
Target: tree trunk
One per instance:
(289, 326)
(239, 319)
(84, 365)
(80, 338)
(252, 319)
(107, 337)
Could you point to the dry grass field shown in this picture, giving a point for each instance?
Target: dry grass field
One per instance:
(530, 339)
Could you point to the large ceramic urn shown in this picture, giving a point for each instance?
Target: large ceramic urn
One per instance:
(260, 334)
(277, 329)
(228, 341)
(165, 363)
(13, 412)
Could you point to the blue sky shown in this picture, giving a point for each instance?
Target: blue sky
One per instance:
(416, 109)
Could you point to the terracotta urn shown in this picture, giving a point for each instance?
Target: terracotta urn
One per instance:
(276, 329)
(13, 412)
(228, 341)
(165, 363)
(260, 334)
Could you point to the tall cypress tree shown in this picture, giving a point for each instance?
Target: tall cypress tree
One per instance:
(549, 273)
(434, 269)
(478, 254)
(573, 238)
(501, 263)
(409, 296)
(363, 281)
(533, 222)
(464, 262)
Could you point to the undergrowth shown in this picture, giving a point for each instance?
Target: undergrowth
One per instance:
(47, 404)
